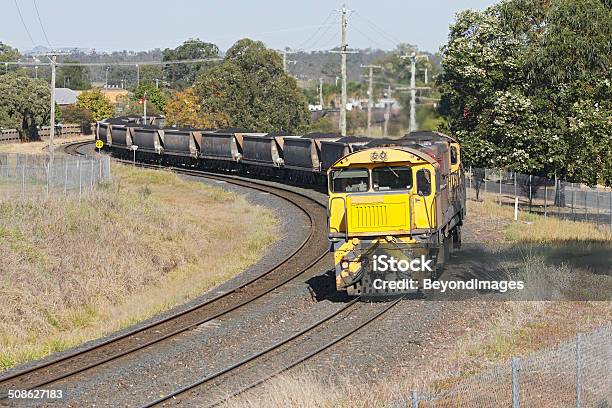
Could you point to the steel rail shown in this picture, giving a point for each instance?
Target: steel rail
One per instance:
(276, 346)
(260, 187)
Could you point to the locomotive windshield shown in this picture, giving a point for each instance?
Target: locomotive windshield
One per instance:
(391, 178)
(349, 180)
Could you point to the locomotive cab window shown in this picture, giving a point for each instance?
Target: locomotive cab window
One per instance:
(349, 180)
(423, 181)
(390, 178)
(454, 155)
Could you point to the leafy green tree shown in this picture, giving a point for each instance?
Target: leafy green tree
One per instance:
(72, 76)
(184, 75)
(24, 104)
(8, 53)
(155, 96)
(250, 89)
(96, 103)
(79, 115)
(516, 79)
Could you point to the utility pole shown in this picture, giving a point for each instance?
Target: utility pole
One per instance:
(370, 94)
(285, 61)
(157, 83)
(36, 71)
(343, 52)
(137, 75)
(413, 59)
(321, 92)
(145, 107)
(106, 81)
(53, 60)
(413, 126)
(387, 111)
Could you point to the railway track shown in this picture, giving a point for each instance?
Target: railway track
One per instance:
(312, 249)
(284, 355)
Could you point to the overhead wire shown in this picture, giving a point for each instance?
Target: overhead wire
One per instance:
(309, 39)
(23, 22)
(41, 25)
(378, 29)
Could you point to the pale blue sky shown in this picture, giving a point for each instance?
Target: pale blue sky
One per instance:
(141, 25)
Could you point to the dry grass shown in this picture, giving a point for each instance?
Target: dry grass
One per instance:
(39, 146)
(72, 271)
(532, 227)
(482, 334)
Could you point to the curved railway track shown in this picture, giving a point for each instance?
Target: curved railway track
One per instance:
(309, 253)
(286, 354)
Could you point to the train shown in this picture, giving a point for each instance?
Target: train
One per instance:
(398, 201)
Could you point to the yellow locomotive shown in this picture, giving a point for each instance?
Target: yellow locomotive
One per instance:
(395, 211)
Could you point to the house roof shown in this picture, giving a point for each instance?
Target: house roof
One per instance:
(65, 96)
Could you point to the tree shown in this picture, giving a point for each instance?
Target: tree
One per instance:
(183, 109)
(24, 104)
(515, 77)
(251, 90)
(95, 102)
(155, 97)
(72, 76)
(79, 115)
(184, 75)
(8, 53)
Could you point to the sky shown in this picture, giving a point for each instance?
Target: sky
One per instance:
(307, 24)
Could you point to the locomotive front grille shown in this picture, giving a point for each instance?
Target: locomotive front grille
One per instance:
(367, 216)
(378, 214)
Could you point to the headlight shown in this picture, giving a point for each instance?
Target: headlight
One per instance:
(344, 264)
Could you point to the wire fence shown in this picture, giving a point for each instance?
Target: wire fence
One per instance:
(575, 374)
(541, 195)
(24, 176)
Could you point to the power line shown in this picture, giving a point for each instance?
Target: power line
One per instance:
(367, 37)
(378, 29)
(41, 25)
(23, 22)
(93, 64)
(309, 39)
(326, 40)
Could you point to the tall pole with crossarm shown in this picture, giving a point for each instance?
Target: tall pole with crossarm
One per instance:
(370, 94)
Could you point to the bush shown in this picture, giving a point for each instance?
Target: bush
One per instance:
(79, 115)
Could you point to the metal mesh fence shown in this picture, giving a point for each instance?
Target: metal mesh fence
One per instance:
(575, 374)
(541, 195)
(33, 176)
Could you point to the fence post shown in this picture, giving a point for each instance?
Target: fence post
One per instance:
(578, 370)
(80, 179)
(500, 187)
(415, 399)
(470, 178)
(91, 176)
(545, 196)
(22, 183)
(573, 202)
(516, 402)
(65, 177)
(530, 194)
(586, 207)
(48, 178)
